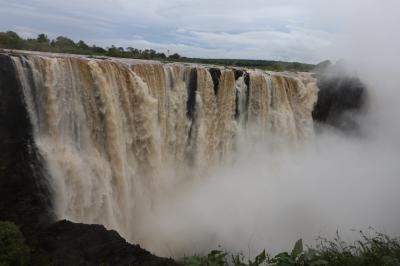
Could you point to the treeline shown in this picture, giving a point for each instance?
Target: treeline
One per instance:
(61, 44)
(261, 64)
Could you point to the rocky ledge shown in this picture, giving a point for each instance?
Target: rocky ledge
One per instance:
(68, 243)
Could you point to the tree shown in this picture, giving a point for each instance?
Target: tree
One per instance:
(277, 67)
(162, 56)
(82, 45)
(42, 38)
(64, 43)
(116, 51)
(98, 50)
(174, 56)
(10, 39)
(132, 50)
(13, 250)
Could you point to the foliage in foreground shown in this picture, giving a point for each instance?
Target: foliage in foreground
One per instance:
(376, 250)
(13, 250)
(370, 250)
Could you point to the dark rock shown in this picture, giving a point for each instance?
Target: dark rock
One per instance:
(192, 89)
(67, 243)
(25, 197)
(247, 79)
(247, 82)
(215, 75)
(238, 73)
(237, 111)
(340, 99)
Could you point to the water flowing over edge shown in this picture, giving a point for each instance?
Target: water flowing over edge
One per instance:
(116, 136)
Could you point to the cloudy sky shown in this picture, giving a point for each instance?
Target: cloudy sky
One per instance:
(293, 30)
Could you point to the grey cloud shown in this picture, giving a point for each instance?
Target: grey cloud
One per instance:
(301, 30)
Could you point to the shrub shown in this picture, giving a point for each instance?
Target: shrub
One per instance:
(13, 250)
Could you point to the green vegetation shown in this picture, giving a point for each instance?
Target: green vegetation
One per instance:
(376, 250)
(13, 251)
(370, 250)
(260, 64)
(61, 44)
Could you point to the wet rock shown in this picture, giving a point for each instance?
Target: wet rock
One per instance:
(192, 89)
(238, 73)
(25, 197)
(215, 75)
(340, 99)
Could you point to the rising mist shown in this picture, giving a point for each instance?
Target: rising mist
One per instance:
(269, 198)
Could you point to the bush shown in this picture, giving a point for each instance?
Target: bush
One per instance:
(10, 39)
(13, 250)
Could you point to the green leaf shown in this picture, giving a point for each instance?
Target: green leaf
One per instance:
(260, 258)
(298, 248)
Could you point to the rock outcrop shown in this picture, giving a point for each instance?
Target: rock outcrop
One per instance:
(67, 243)
(24, 192)
(340, 99)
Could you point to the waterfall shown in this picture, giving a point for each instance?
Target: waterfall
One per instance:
(116, 134)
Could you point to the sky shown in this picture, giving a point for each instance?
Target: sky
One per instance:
(255, 29)
(290, 30)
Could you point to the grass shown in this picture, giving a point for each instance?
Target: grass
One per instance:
(370, 250)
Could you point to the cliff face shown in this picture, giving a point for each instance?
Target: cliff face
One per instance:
(25, 196)
(340, 99)
(67, 243)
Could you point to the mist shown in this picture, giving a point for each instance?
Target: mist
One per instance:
(268, 198)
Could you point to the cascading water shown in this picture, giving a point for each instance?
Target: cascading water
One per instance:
(115, 135)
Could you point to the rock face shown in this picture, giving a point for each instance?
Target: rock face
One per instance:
(340, 99)
(24, 192)
(67, 243)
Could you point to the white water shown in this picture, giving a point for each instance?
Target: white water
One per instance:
(122, 151)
